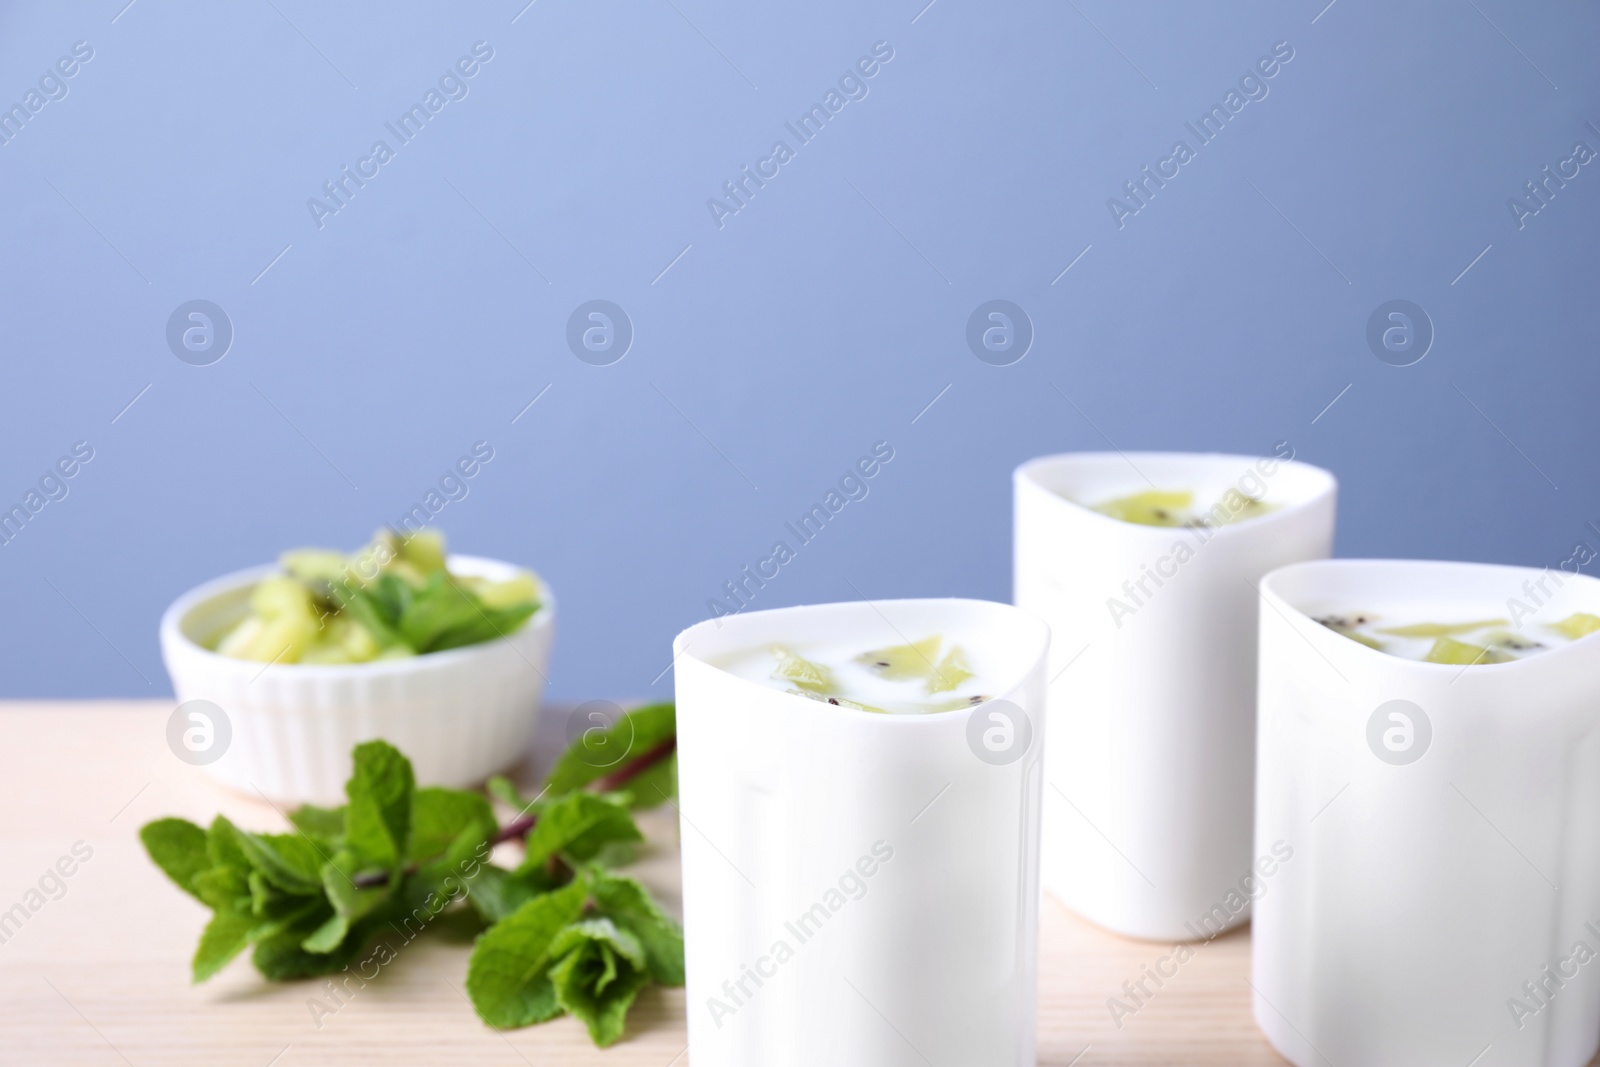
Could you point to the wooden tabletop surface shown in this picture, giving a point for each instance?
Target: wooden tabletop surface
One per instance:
(99, 974)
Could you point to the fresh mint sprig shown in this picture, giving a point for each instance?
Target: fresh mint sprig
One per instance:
(564, 932)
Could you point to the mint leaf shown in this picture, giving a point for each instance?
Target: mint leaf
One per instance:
(226, 935)
(289, 861)
(262, 895)
(501, 788)
(232, 929)
(325, 825)
(489, 625)
(222, 845)
(438, 607)
(495, 892)
(440, 816)
(178, 847)
(327, 937)
(597, 754)
(377, 820)
(280, 956)
(373, 613)
(599, 969)
(630, 906)
(224, 887)
(578, 825)
(348, 899)
(654, 785)
(507, 977)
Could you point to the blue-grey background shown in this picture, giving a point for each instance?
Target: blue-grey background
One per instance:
(825, 316)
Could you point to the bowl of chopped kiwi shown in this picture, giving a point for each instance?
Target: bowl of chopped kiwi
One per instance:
(444, 656)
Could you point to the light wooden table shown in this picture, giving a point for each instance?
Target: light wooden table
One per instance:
(100, 975)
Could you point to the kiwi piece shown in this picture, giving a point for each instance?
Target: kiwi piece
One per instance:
(424, 550)
(1154, 507)
(1362, 639)
(281, 597)
(1577, 625)
(1511, 642)
(507, 594)
(802, 672)
(1441, 629)
(1449, 650)
(951, 671)
(900, 662)
(407, 572)
(1345, 626)
(838, 702)
(957, 703)
(1250, 509)
(313, 565)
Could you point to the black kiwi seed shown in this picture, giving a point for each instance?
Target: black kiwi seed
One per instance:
(834, 701)
(881, 663)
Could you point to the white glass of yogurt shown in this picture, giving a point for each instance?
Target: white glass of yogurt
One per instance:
(1428, 751)
(1145, 566)
(860, 788)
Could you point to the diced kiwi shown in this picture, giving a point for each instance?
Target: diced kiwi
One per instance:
(900, 662)
(513, 591)
(801, 671)
(951, 671)
(1577, 625)
(1362, 639)
(1449, 650)
(270, 640)
(1441, 629)
(1345, 626)
(237, 641)
(316, 564)
(1250, 509)
(407, 572)
(1154, 507)
(838, 702)
(1511, 642)
(424, 550)
(280, 597)
(957, 703)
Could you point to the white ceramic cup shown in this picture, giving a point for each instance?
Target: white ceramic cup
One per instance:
(1147, 817)
(1445, 822)
(895, 865)
(459, 715)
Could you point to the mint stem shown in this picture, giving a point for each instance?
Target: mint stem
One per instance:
(620, 777)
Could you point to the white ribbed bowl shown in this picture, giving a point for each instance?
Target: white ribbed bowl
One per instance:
(460, 715)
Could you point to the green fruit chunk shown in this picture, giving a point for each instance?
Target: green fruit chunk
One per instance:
(1441, 629)
(1154, 507)
(802, 672)
(1249, 508)
(1449, 650)
(838, 702)
(1511, 642)
(316, 564)
(951, 671)
(424, 550)
(513, 591)
(1346, 626)
(900, 662)
(957, 703)
(275, 598)
(1578, 625)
